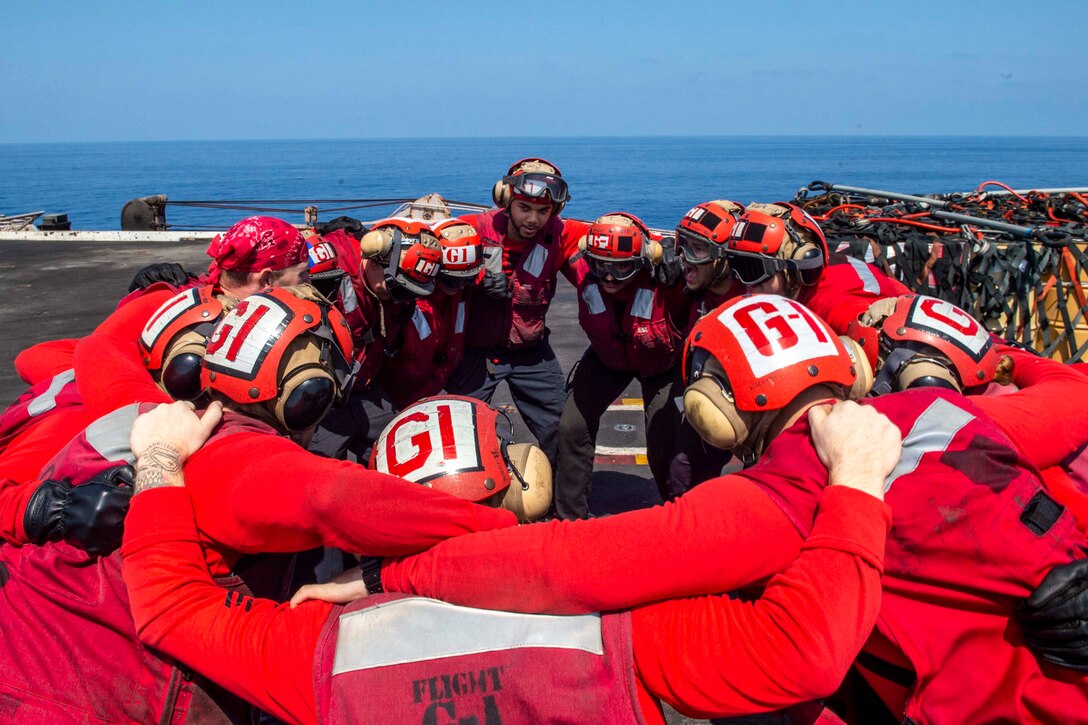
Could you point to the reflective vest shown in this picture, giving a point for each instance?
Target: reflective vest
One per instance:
(973, 533)
(643, 340)
(433, 345)
(375, 326)
(518, 321)
(395, 659)
(57, 393)
(69, 651)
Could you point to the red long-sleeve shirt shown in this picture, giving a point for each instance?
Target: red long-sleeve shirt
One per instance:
(708, 655)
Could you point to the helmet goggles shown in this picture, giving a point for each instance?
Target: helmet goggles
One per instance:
(618, 269)
(539, 186)
(695, 248)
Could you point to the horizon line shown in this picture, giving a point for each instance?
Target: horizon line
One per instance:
(558, 138)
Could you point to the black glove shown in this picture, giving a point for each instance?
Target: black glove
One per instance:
(668, 272)
(1055, 616)
(89, 517)
(496, 285)
(352, 226)
(169, 272)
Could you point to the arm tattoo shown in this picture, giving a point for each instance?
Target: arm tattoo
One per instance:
(159, 465)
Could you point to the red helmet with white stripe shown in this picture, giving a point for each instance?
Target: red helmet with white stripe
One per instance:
(755, 355)
(173, 340)
(619, 244)
(285, 349)
(462, 252)
(702, 234)
(464, 447)
(921, 341)
(411, 254)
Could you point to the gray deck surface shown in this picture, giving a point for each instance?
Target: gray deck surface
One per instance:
(57, 290)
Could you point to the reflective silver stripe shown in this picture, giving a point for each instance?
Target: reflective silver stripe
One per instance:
(348, 301)
(868, 279)
(643, 306)
(48, 400)
(933, 431)
(535, 263)
(110, 435)
(591, 295)
(418, 629)
(459, 324)
(420, 322)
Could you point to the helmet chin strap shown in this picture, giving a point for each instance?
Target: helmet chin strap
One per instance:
(504, 442)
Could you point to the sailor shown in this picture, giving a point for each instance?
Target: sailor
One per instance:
(526, 244)
(920, 341)
(255, 253)
(393, 265)
(278, 360)
(780, 249)
(973, 532)
(634, 319)
(700, 243)
(434, 342)
(469, 665)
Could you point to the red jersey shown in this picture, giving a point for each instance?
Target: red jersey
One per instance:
(433, 345)
(679, 647)
(847, 288)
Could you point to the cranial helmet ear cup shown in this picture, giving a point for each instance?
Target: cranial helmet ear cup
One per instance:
(808, 277)
(863, 383)
(528, 504)
(500, 194)
(308, 389)
(583, 242)
(376, 243)
(654, 251)
(926, 374)
(713, 416)
(180, 373)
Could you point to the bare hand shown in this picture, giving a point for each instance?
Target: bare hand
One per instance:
(859, 445)
(344, 589)
(164, 438)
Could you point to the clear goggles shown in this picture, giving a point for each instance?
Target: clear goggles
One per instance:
(696, 249)
(536, 185)
(619, 269)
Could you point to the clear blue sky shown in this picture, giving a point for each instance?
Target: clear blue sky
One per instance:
(105, 71)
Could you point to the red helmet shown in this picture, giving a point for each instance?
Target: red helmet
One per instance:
(755, 354)
(619, 244)
(411, 254)
(535, 180)
(323, 258)
(770, 238)
(923, 341)
(172, 342)
(462, 252)
(461, 446)
(702, 233)
(285, 348)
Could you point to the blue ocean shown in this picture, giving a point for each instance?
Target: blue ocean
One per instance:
(657, 178)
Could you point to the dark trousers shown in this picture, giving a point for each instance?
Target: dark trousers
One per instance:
(349, 430)
(536, 386)
(593, 387)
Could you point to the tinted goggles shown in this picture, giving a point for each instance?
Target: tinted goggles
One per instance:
(535, 185)
(696, 249)
(753, 269)
(619, 270)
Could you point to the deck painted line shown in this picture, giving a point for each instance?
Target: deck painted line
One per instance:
(626, 404)
(619, 461)
(621, 450)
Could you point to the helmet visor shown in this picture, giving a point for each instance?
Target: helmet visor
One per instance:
(535, 185)
(619, 270)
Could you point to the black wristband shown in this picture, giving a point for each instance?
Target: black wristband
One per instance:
(371, 573)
